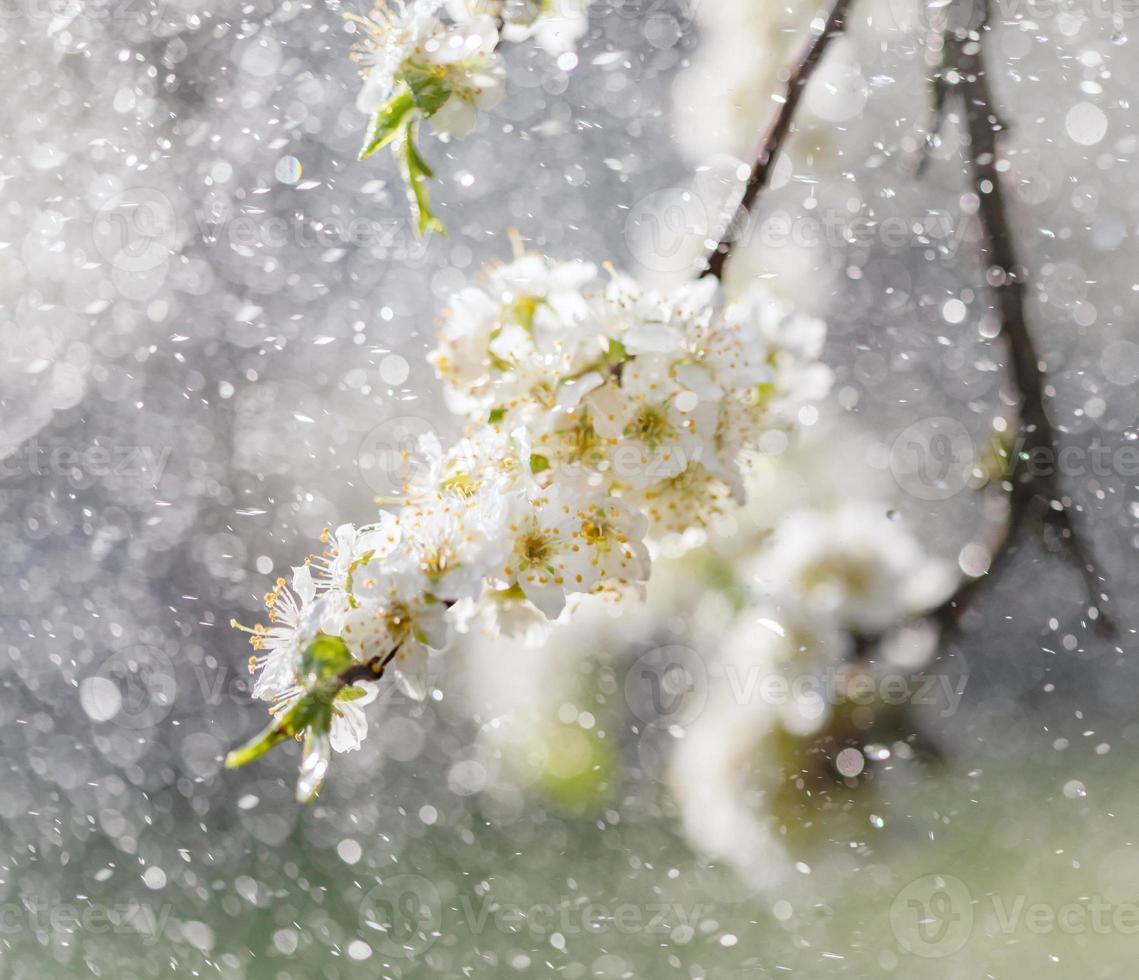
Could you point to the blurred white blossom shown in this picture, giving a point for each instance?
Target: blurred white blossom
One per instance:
(853, 565)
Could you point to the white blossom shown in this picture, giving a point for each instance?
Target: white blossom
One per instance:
(351, 547)
(853, 564)
(508, 344)
(409, 45)
(549, 557)
(349, 721)
(288, 611)
(398, 32)
(455, 540)
(557, 26)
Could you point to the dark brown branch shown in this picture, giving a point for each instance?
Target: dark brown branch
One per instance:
(369, 670)
(776, 134)
(1035, 498)
(373, 670)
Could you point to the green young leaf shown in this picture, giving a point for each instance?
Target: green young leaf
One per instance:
(388, 122)
(312, 711)
(416, 173)
(538, 464)
(350, 693)
(326, 657)
(496, 416)
(617, 351)
(353, 568)
(429, 90)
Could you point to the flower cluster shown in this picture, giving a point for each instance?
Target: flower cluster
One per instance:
(603, 414)
(438, 60)
(658, 396)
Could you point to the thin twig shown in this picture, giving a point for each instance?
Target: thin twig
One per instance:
(939, 88)
(1035, 497)
(776, 134)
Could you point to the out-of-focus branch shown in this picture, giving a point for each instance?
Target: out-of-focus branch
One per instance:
(1035, 498)
(777, 133)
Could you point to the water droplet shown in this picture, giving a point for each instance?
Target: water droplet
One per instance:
(288, 170)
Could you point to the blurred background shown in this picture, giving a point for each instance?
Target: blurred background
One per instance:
(212, 341)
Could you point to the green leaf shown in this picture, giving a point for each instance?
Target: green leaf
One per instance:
(416, 176)
(429, 89)
(353, 568)
(617, 352)
(388, 122)
(538, 464)
(326, 657)
(310, 711)
(496, 416)
(350, 693)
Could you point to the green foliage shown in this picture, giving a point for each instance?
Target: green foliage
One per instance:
(388, 123)
(428, 88)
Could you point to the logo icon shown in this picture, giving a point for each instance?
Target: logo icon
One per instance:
(135, 230)
(667, 685)
(134, 687)
(390, 455)
(666, 230)
(403, 915)
(932, 916)
(932, 459)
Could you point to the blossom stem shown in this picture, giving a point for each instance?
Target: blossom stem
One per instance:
(776, 134)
